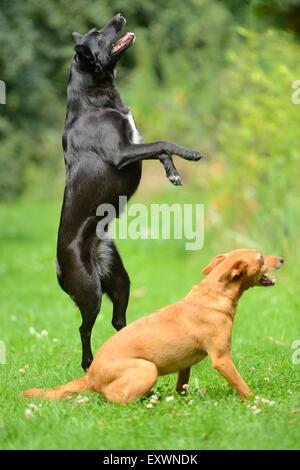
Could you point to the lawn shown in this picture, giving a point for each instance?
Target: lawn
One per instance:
(211, 416)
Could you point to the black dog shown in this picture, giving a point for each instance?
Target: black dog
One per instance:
(103, 156)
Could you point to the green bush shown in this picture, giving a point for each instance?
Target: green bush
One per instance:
(258, 157)
(205, 73)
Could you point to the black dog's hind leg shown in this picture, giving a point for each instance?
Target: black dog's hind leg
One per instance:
(170, 169)
(116, 284)
(82, 282)
(89, 310)
(85, 290)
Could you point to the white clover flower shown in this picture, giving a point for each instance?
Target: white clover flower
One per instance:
(170, 398)
(80, 400)
(32, 330)
(33, 407)
(28, 413)
(23, 369)
(255, 410)
(149, 405)
(185, 386)
(44, 333)
(191, 402)
(154, 401)
(154, 397)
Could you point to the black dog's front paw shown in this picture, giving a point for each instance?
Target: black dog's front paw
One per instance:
(194, 156)
(189, 154)
(198, 156)
(176, 180)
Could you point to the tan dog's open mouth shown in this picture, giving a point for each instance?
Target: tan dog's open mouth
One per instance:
(267, 281)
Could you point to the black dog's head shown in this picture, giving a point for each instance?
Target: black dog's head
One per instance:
(98, 50)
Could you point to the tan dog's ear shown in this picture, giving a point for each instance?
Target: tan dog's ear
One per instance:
(217, 260)
(237, 269)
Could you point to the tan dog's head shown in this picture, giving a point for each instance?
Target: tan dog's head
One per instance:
(247, 267)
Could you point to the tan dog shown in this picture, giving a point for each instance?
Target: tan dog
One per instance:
(177, 336)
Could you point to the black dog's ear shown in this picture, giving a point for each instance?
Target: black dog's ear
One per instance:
(85, 54)
(77, 37)
(98, 66)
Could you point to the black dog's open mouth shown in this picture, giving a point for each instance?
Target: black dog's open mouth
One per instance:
(266, 281)
(123, 43)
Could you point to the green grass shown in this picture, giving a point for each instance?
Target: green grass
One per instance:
(266, 325)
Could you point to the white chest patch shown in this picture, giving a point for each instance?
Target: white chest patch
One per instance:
(135, 137)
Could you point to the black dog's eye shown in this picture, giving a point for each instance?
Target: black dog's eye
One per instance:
(99, 35)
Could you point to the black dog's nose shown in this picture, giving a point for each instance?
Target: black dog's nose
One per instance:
(281, 260)
(120, 17)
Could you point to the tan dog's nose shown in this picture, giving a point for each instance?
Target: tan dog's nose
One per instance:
(281, 260)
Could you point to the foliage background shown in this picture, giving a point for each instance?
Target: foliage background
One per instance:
(211, 75)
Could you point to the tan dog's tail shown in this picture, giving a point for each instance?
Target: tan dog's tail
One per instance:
(55, 393)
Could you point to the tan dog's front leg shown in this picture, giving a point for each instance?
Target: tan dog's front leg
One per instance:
(182, 379)
(226, 367)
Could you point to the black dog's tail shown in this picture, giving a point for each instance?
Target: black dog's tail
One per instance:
(55, 393)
